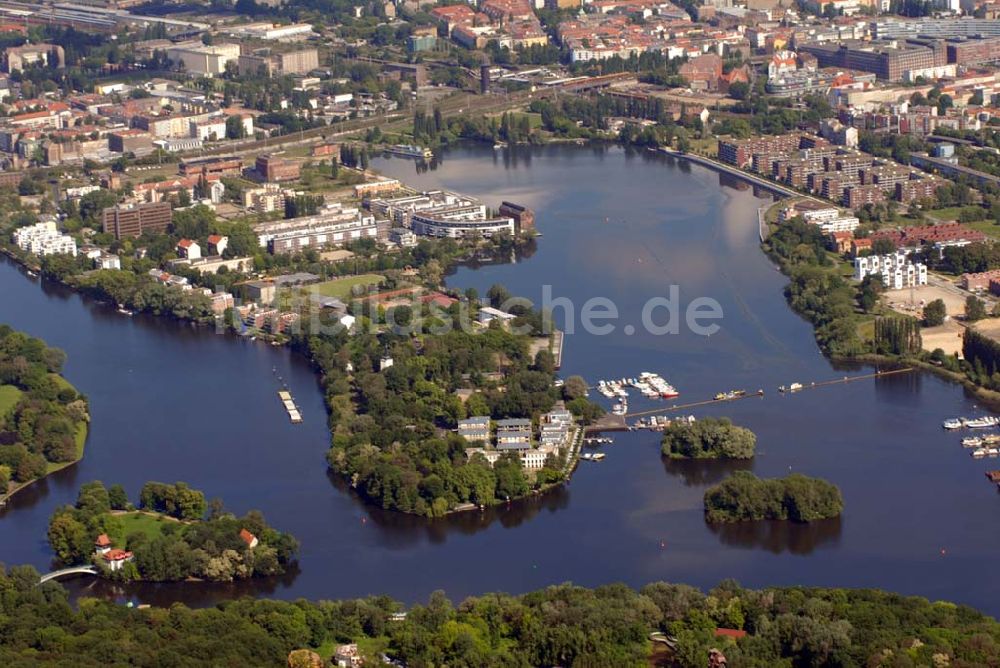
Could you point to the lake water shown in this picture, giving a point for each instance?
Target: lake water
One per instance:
(171, 402)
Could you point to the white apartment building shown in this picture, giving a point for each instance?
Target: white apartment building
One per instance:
(811, 212)
(267, 198)
(196, 58)
(44, 239)
(213, 129)
(533, 459)
(896, 270)
(844, 224)
(335, 225)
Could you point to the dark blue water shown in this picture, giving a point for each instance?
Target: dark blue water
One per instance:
(170, 402)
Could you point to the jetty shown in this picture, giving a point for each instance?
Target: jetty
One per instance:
(557, 347)
(293, 412)
(612, 422)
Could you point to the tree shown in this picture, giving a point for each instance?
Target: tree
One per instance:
(739, 90)
(93, 499)
(935, 313)
(883, 246)
(498, 295)
(575, 387)
(708, 438)
(69, 539)
(118, 498)
(511, 482)
(975, 308)
(235, 128)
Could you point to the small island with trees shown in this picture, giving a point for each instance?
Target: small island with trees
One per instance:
(167, 538)
(43, 419)
(743, 497)
(708, 438)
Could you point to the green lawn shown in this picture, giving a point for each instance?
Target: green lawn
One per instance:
(987, 227)
(949, 213)
(9, 396)
(150, 525)
(341, 287)
(534, 120)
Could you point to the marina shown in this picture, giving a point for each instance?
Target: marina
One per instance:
(984, 422)
(650, 385)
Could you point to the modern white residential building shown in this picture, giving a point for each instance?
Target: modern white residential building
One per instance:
(533, 459)
(44, 239)
(842, 224)
(896, 270)
(440, 213)
(335, 225)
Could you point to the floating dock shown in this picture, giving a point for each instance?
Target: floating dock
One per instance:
(293, 412)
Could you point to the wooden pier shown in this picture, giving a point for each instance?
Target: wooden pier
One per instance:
(293, 412)
(611, 422)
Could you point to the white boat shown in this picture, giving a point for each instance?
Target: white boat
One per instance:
(979, 453)
(971, 442)
(597, 456)
(410, 151)
(983, 422)
(954, 423)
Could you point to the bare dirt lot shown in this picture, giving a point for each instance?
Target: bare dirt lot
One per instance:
(947, 337)
(912, 301)
(989, 327)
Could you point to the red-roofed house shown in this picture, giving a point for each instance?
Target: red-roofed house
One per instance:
(249, 538)
(438, 299)
(859, 246)
(454, 15)
(188, 249)
(730, 633)
(841, 241)
(217, 244)
(117, 558)
(102, 544)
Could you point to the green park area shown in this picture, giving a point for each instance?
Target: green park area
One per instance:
(341, 287)
(147, 523)
(9, 397)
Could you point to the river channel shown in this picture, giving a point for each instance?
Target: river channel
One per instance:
(172, 402)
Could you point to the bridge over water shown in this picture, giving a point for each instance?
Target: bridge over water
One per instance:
(73, 570)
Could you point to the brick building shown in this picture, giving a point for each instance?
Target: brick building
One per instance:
(230, 165)
(523, 216)
(274, 169)
(132, 221)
